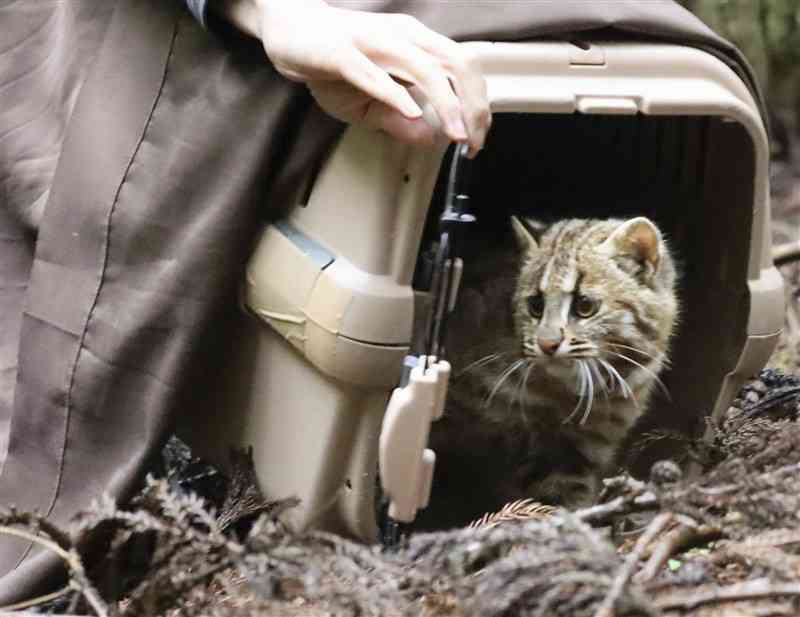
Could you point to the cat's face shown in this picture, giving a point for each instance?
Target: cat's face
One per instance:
(595, 296)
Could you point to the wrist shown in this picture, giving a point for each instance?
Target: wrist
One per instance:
(249, 16)
(244, 14)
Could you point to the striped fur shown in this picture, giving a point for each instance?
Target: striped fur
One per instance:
(556, 349)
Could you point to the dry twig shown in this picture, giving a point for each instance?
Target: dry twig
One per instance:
(626, 504)
(656, 526)
(749, 590)
(19, 606)
(673, 542)
(786, 253)
(39, 530)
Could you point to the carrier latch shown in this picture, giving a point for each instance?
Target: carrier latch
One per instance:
(584, 53)
(406, 464)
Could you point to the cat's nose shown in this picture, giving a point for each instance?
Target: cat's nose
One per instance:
(549, 345)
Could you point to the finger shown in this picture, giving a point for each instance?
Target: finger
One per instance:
(349, 104)
(465, 75)
(365, 75)
(467, 80)
(410, 63)
(470, 86)
(416, 132)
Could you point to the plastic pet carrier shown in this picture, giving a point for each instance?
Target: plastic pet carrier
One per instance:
(596, 129)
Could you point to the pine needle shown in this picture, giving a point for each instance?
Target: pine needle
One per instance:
(520, 510)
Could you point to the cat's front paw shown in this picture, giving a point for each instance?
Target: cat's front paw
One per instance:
(566, 490)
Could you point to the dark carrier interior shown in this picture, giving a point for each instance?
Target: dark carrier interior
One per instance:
(693, 176)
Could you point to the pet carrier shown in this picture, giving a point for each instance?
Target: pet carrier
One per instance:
(591, 128)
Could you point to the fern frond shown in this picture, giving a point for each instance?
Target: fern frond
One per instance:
(520, 510)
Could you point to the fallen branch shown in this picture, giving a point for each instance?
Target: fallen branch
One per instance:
(656, 526)
(676, 540)
(19, 606)
(604, 512)
(749, 590)
(767, 477)
(80, 581)
(774, 398)
(772, 538)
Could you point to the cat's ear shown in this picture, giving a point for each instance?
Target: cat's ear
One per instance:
(527, 233)
(638, 239)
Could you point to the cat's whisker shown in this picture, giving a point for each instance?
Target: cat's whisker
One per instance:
(480, 362)
(500, 380)
(587, 391)
(655, 377)
(660, 358)
(581, 391)
(517, 399)
(522, 391)
(591, 393)
(601, 381)
(525, 382)
(616, 377)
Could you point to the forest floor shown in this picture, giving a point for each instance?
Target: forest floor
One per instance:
(721, 542)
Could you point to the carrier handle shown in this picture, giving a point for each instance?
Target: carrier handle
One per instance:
(447, 267)
(405, 462)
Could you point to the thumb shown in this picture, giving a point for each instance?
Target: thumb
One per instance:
(348, 104)
(340, 100)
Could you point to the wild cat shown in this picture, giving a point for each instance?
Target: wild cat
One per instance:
(556, 348)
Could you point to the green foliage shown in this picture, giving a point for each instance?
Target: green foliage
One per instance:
(768, 33)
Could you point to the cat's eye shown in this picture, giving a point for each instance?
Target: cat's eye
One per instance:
(536, 305)
(584, 307)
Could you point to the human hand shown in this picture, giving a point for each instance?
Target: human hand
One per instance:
(364, 67)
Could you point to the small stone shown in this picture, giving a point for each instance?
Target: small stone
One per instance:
(665, 472)
(758, 386)
(752, 397)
